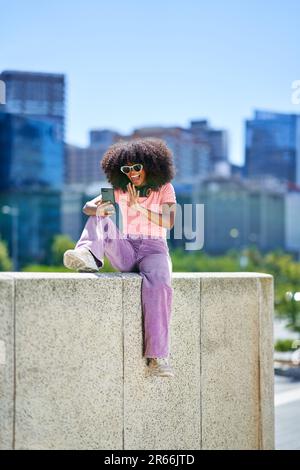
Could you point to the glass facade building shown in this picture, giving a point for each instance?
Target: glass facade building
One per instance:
(39, 220)
(38, 95)
(30, 154)
(31, 163)
(239, 213)
(273, 146)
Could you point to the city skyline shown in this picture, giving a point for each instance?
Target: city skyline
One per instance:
(33, 167)
(137, 65)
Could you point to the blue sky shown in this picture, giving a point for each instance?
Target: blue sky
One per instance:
(132, 63)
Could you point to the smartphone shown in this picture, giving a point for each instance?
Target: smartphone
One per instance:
(108, 195)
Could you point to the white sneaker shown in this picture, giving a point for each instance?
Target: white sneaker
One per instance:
(159, 367)
(81, 259)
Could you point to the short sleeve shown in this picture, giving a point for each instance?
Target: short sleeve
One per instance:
(168, 193)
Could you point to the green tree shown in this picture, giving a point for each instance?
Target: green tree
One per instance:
(60, 244)
(5, 261)
(281, 265)
(286, 273)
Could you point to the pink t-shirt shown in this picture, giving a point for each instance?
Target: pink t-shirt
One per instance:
(136, 223)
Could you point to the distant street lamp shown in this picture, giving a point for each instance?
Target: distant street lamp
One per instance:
(244, 261)
(14, 212)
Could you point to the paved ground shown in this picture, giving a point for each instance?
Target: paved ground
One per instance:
(287, 414)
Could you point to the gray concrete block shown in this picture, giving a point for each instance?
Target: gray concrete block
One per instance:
(75, 376)
(69, 383)
(230, 362)
(6, 362)
(160, 412)
(266, 351)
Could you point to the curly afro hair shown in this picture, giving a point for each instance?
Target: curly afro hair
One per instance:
(153, 153)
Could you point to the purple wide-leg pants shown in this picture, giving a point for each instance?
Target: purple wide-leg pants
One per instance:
(148, 256)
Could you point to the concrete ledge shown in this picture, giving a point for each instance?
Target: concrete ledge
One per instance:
(74, 376)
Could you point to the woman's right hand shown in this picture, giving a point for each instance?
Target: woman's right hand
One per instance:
(104, 209)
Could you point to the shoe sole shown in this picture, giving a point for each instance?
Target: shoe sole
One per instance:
(160, 375)
(72, 261)
(150, 373)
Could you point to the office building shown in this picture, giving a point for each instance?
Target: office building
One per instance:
(31, 156)
(36, 95)
(273, 146)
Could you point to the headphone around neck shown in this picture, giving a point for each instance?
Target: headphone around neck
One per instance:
(144, 191)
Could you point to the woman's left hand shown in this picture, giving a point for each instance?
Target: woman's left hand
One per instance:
(133, 196)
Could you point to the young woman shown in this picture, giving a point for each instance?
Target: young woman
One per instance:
(132, 167)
